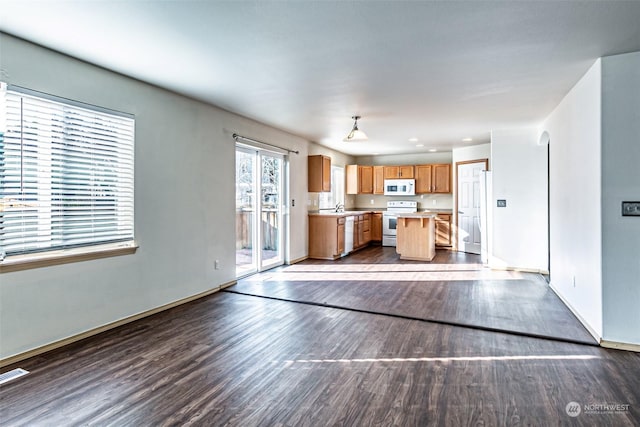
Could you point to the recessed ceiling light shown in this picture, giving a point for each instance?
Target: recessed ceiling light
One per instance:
(419, 145)
(414, 139)
(432, 150)
(467, 139)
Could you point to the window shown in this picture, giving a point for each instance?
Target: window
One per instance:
(329, 200)
(66, 173)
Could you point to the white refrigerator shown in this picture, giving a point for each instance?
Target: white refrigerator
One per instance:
(485, 216)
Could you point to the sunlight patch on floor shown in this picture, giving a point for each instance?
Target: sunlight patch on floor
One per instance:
(448, 359)
(382, 267)
(389, 276)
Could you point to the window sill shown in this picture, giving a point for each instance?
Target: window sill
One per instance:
(65, 256)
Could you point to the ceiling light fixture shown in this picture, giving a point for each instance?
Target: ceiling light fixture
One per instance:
(432, 150)
(467, 139)
(355, 134)
(414, 139)
(419, 145)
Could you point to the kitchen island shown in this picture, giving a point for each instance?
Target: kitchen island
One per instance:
(416, 236)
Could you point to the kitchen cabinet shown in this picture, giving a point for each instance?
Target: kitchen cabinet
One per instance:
(424, 174)
(359, 179)
(398, 172)
(326, 236)
(319, 174)
(433, 178)
(378, 180)
(443, 230)
(361, 230)
(340, 248)
(376, 226)
(366, 229)
(441, 178)
(357, 232)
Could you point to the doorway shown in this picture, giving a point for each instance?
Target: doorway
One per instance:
(259, 210)
(469, 205)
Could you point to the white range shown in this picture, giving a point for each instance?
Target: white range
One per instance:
(390, 220)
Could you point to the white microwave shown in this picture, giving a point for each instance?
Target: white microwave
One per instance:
(399, 187)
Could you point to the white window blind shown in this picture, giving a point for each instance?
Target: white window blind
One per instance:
(66, 173)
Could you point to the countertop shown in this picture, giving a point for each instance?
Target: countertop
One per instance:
(357, 211)
(342, 214)
(417, 214)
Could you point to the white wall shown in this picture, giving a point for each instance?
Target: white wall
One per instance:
(620, 181)
(575, 193)
(473, 152)
(185, 213)
(519, 232)
(425, 201)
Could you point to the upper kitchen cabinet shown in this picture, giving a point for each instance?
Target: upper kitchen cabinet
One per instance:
(378, 180)
(359, 179)
(319, 174)
(441, 178)
(433, 178)
(398, 172)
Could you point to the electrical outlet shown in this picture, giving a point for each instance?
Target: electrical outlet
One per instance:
(217, 264)
(371, 201)
(434, 202)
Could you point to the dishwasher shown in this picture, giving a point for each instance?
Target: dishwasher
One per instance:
(348, 235)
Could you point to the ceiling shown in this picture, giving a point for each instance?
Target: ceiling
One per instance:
(438, 71)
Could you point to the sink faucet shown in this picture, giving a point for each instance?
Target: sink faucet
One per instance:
(339, 207)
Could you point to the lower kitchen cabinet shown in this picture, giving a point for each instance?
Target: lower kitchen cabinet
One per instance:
(376, 226)
(443, 230)
(326, 236)
(366, 228)
(362, 230)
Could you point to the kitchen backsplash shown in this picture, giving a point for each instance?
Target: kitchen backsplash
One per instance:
(425, 201)
(363, 201)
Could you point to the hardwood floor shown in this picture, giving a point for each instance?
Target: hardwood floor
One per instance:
(454, 289)
(232, 359)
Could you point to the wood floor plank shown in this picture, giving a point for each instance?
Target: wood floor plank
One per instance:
(231, 359)
(510, 301)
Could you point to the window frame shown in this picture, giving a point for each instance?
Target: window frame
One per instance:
(329, 200)
(96, 128)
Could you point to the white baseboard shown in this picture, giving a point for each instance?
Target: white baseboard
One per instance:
(519, 269)
(620, 345)
(295, 261)
(61, 343)
(593, 333)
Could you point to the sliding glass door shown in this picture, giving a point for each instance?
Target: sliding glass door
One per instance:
(259, 210)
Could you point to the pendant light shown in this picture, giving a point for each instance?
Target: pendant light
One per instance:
(355, 134)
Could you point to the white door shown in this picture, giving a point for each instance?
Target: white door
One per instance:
(469, 236)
